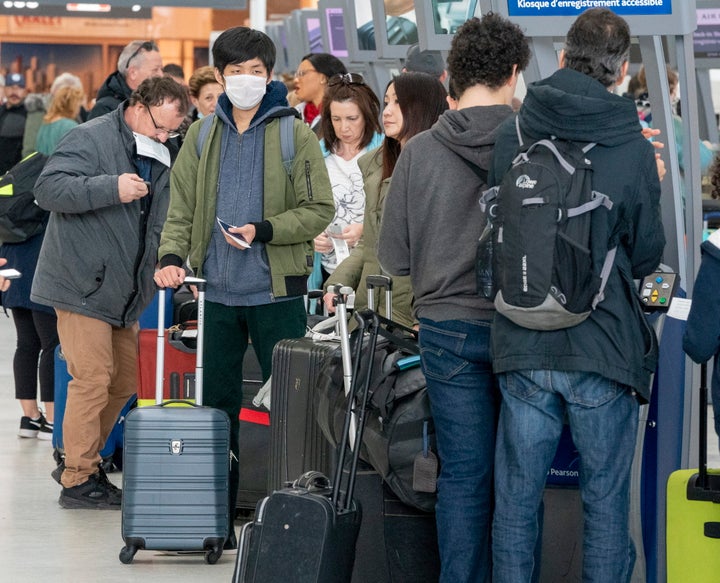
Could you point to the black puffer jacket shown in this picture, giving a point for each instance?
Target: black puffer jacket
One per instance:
(113, 92)
(616, 340)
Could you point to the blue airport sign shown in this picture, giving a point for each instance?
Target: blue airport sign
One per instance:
(575, 7)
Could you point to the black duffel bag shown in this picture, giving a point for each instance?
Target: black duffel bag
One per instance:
(399, 436)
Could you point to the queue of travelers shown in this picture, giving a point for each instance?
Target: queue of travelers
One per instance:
(362, 199)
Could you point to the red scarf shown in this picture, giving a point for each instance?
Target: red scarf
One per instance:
(310, 112)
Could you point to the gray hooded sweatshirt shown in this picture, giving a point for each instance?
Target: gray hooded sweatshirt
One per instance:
(432, 220)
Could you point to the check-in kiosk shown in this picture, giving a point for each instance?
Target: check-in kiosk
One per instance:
(277, 33)
(706, 47)
(310, 31)
(296, 48)
(665, 427)
(332, 25)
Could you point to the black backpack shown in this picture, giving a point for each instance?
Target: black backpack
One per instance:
(541, 217)
(20, 216)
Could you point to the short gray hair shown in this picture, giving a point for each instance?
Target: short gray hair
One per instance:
(134, 50)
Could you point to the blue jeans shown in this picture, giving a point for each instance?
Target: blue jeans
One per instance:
(603, 417)
(464, 401)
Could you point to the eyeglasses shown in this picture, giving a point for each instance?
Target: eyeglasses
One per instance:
(346, 79)
(170, 133)
(146, 46)
(301, 73)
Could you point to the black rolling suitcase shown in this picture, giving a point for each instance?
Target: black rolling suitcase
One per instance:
(307, 533)
(296, 442)
(176, 468)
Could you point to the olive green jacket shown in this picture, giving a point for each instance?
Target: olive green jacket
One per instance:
(297, 207)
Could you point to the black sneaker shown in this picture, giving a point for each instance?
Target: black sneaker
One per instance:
(31, 427)
(57, 472)
(46, 430)
(112, 488)
(93, 494)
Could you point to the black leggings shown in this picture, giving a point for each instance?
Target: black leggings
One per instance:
(37, 338)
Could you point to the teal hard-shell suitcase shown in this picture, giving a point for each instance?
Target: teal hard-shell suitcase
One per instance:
(176, 470)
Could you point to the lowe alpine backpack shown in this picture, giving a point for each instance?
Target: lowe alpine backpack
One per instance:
(541, 216)
(20, 216)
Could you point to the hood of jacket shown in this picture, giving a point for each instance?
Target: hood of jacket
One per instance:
(471, 132)
(273, 104)
(115, 86)
(569, 105)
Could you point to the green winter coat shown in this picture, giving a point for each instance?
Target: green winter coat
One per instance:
(296, 208)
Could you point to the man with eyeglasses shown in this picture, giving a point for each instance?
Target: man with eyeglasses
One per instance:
(138, 61)
(107, 186)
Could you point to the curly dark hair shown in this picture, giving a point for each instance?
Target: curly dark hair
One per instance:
(483, 52)
(158, 90)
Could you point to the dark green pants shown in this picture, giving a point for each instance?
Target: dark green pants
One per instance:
(227, 331)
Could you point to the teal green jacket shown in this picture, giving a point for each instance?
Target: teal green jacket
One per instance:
(295, 208)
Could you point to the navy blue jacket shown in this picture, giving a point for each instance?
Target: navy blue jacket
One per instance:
(702, 335)
(615, 341)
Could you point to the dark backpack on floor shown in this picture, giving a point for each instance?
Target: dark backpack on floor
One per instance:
(20, 216)
(541, 216)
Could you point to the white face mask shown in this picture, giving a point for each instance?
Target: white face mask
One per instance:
(245, 91)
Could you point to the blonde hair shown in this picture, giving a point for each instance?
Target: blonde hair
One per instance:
(65, 103)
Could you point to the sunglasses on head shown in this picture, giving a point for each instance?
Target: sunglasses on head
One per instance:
(346, 79)
(146, 46)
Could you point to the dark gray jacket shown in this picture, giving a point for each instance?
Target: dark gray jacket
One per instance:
(616, 340)
(432, 219)
(99, 254)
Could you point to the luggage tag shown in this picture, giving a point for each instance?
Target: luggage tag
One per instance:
(425, 466)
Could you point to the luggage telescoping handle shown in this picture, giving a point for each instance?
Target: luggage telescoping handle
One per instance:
(703, 481)
(160, 361)
(341, 293)
(380, 282)
(367, 321)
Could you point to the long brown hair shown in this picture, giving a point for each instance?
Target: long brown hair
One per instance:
(422, 100)
(350, 88)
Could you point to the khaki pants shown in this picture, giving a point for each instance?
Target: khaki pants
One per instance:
(102, 360)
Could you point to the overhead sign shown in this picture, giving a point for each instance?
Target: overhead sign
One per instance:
(544, 18)
(575, 7)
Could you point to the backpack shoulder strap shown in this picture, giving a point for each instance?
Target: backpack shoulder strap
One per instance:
(205, 127)
(287, 142)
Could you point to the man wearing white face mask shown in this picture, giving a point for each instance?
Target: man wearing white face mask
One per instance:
(254, 288)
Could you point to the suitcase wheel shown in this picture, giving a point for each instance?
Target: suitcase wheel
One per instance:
(127, 554)
(211, 557)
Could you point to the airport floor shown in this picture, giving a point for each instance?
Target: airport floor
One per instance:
(40, 542)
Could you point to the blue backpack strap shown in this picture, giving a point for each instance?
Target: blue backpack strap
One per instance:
(205, 127)
(287, 142)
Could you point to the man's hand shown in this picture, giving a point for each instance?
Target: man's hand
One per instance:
(247, 232)
(170, 276)
(131, 187)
